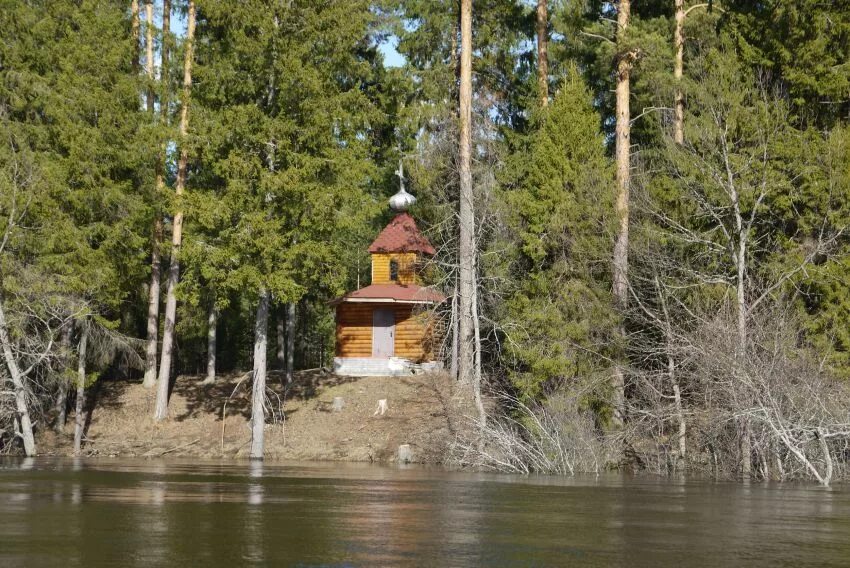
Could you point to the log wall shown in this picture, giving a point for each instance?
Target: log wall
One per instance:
(354, 331)
(406, 267)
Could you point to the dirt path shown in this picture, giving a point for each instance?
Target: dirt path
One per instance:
(424, 411)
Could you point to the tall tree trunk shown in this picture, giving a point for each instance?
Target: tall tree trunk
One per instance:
(477, 377)
(622, 151)
(212, 329)
(454, 59)
(258, 394)
(466, 245)
(156, 237)
(280, 332)
(289, 368)
(742, 309)
(671, 375)
(80, 412)
(542, 52)
(679, 45)
(153, 305)
(19, 385)
(149, 52)
(453, 369)
(62, 395)
(177, 227)
(135, 24)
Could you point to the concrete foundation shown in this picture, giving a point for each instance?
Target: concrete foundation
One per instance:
(381, 367)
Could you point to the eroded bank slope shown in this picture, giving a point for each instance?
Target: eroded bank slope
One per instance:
(425, 411)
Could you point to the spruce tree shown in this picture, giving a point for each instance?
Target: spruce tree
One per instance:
(558, 207)
(284, 115)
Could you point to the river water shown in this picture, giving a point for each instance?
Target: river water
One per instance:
(59, 512)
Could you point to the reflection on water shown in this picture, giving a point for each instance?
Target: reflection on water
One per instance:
(56, 512)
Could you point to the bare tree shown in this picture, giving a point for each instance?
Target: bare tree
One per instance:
(212, 329)
(62, 391)
(468, 363)
(466, 244)
(154, 289)
(796, 413)
(625, 61)
(258, 393)
(161, 411)
(557, 438)
(79, 414)
(21, 390)
(728, 174)
(28, 322)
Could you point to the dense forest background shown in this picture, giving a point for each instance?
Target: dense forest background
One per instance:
(661, 189)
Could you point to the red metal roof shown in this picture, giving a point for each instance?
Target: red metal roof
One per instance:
(402, 235)
(410, 293)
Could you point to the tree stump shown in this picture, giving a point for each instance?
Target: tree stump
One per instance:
(405, 454)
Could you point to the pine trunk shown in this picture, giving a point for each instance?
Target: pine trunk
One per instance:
(149, 71)
(212, 329)
(679, 41)
(80, 413)
(62, 395)
(153, 305)
(289, 369)
(622, 151)
(542, 52)
(177, 228)
(156, 255)
(258, 395)
(19, 385)
(134, 26)
(453, 369)
(742, 309)
(280, 332)
(466, 245)
(477, 377)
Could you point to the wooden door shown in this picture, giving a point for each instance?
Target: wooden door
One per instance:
(383, 332)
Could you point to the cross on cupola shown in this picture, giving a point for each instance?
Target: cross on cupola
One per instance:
(401, 201)
(390, 326)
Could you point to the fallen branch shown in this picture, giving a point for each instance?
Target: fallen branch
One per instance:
(224, 407)
(180, 447)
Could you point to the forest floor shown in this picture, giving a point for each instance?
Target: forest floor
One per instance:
(426, 411)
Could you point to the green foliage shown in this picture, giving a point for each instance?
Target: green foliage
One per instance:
(804, 44)
(296, 129)
(558, 207)
(284, 122)
(69, 110)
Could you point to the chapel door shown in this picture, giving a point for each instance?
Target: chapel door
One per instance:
(383, 332)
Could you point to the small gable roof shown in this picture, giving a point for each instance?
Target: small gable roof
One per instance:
(402, 293)
(402, 235)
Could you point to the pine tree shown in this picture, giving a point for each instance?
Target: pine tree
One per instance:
(164, 380)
